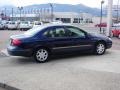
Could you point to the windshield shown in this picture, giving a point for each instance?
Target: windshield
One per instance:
(24, 22)
(12, 22)
(37, 23)
(34, 31)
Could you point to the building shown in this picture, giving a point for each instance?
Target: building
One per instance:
(96, 20)
(65, 17)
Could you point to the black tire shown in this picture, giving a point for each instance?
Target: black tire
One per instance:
(100, 48)
(41, 55)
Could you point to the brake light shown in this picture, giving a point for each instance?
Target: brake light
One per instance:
(15, 42)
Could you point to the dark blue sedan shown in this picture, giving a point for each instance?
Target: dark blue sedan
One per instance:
(45, 40)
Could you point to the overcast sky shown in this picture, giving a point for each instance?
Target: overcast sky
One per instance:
(91, 3)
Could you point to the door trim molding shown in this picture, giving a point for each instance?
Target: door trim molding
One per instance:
(77, 46)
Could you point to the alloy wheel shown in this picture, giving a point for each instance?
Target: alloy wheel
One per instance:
(100, 49)
(41, 55)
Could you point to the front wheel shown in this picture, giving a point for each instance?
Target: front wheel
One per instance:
(41, 55)
(100, 49)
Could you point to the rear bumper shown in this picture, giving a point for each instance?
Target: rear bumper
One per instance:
(16, 51)
(1, 27)
(24, 27)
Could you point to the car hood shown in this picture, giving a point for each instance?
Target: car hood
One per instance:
(98, 36)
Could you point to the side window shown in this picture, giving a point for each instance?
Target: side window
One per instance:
(60, 32)
(48, 33)
(56, 32)
(74, 32)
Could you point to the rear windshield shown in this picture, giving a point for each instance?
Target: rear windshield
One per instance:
(34, 31)
(24, 22)
(37, 23)
(11, 22)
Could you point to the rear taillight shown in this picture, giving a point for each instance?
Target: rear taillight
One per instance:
(15, 42)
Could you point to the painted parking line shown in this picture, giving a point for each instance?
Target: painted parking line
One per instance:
(4, 52)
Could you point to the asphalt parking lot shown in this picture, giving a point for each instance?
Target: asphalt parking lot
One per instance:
(76, 72)
(64, 72)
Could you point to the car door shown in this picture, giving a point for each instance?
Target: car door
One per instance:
(79, 38)
(57, 39)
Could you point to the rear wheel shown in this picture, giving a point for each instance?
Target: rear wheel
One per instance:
(100, 48)
(41, 55)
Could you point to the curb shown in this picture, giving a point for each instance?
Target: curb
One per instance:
(5, 86)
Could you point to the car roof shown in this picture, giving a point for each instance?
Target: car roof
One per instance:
(54, 25)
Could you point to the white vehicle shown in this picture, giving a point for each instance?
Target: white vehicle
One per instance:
(1, 25)
(56, 22)
(24, 25)
(31, 24)
(6, 24)
(116, 25)
(12, 25)
(37, 24)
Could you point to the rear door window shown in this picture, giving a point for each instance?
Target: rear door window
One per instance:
(57, 32)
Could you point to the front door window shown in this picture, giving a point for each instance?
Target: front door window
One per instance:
(75, 32)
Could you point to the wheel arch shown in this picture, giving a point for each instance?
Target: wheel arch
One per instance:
(38, 47)
(101, 41)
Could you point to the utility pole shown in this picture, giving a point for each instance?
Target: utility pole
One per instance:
(109, 18)
(12, 14)
(118, 11)
(20, 9)
(102, 2)
(51, 5)
(5, 14)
